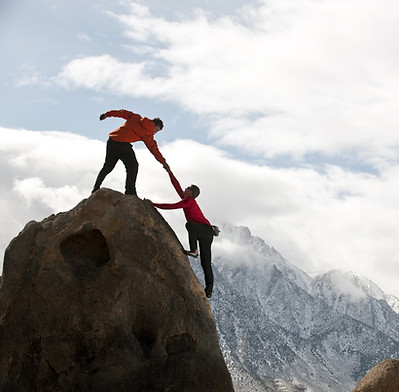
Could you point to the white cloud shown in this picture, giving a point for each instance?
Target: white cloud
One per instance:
(83, 37)
(319, 221)
(98, 72)
(333, 219)
(42, 173)
(277, 78)
(349, 285)
(30, 76)
(57, 199)
(60, 155)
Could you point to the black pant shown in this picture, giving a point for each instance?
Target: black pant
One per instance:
(204, 235)
(124, 152)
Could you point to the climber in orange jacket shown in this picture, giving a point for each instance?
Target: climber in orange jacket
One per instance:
(135, 128)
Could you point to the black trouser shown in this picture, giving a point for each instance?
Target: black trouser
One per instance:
(204, 235)
(124, 152)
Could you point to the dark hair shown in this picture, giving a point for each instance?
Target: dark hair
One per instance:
(194, 190)
(158, 121)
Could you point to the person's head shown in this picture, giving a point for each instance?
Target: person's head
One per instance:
(158, 124)
(192, 191)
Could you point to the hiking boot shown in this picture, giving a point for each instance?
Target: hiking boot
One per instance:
(208, 290)
(192, 253)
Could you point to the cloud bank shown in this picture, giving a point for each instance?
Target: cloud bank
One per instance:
(274, 80)
(334, 219)
(297, 99)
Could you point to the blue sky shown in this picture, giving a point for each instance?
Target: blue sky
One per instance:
(284, 113)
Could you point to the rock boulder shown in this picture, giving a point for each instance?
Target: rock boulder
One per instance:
(102, 298)
(384, 377)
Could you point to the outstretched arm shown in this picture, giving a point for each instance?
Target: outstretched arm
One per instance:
(176, 184)
(125, 114)
(153, 148)
(171, 206)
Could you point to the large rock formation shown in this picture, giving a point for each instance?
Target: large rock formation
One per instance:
(102, 298)
(383, 377)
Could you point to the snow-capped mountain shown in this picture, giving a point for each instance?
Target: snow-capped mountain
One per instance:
(281, 330)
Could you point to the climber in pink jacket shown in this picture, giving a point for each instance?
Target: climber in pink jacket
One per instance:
(198, 227)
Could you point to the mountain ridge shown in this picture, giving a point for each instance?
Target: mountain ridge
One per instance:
(317, 334)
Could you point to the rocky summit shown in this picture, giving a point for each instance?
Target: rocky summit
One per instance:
(102, 298)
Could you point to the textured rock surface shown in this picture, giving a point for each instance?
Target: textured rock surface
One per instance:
(101, 298)
(383, 377)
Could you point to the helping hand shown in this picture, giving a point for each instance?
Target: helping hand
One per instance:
(166, 167)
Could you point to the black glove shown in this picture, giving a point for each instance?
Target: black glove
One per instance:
(103, 116)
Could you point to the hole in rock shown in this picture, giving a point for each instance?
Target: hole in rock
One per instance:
(86, 249)
(146, 339)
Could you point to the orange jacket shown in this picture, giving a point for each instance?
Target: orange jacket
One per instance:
(135, 128)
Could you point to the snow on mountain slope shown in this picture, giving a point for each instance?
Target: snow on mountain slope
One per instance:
(393, 302)
(359, 298)
(281, 330)
(237, 246)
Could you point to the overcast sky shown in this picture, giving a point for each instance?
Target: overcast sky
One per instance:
(284, 112)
